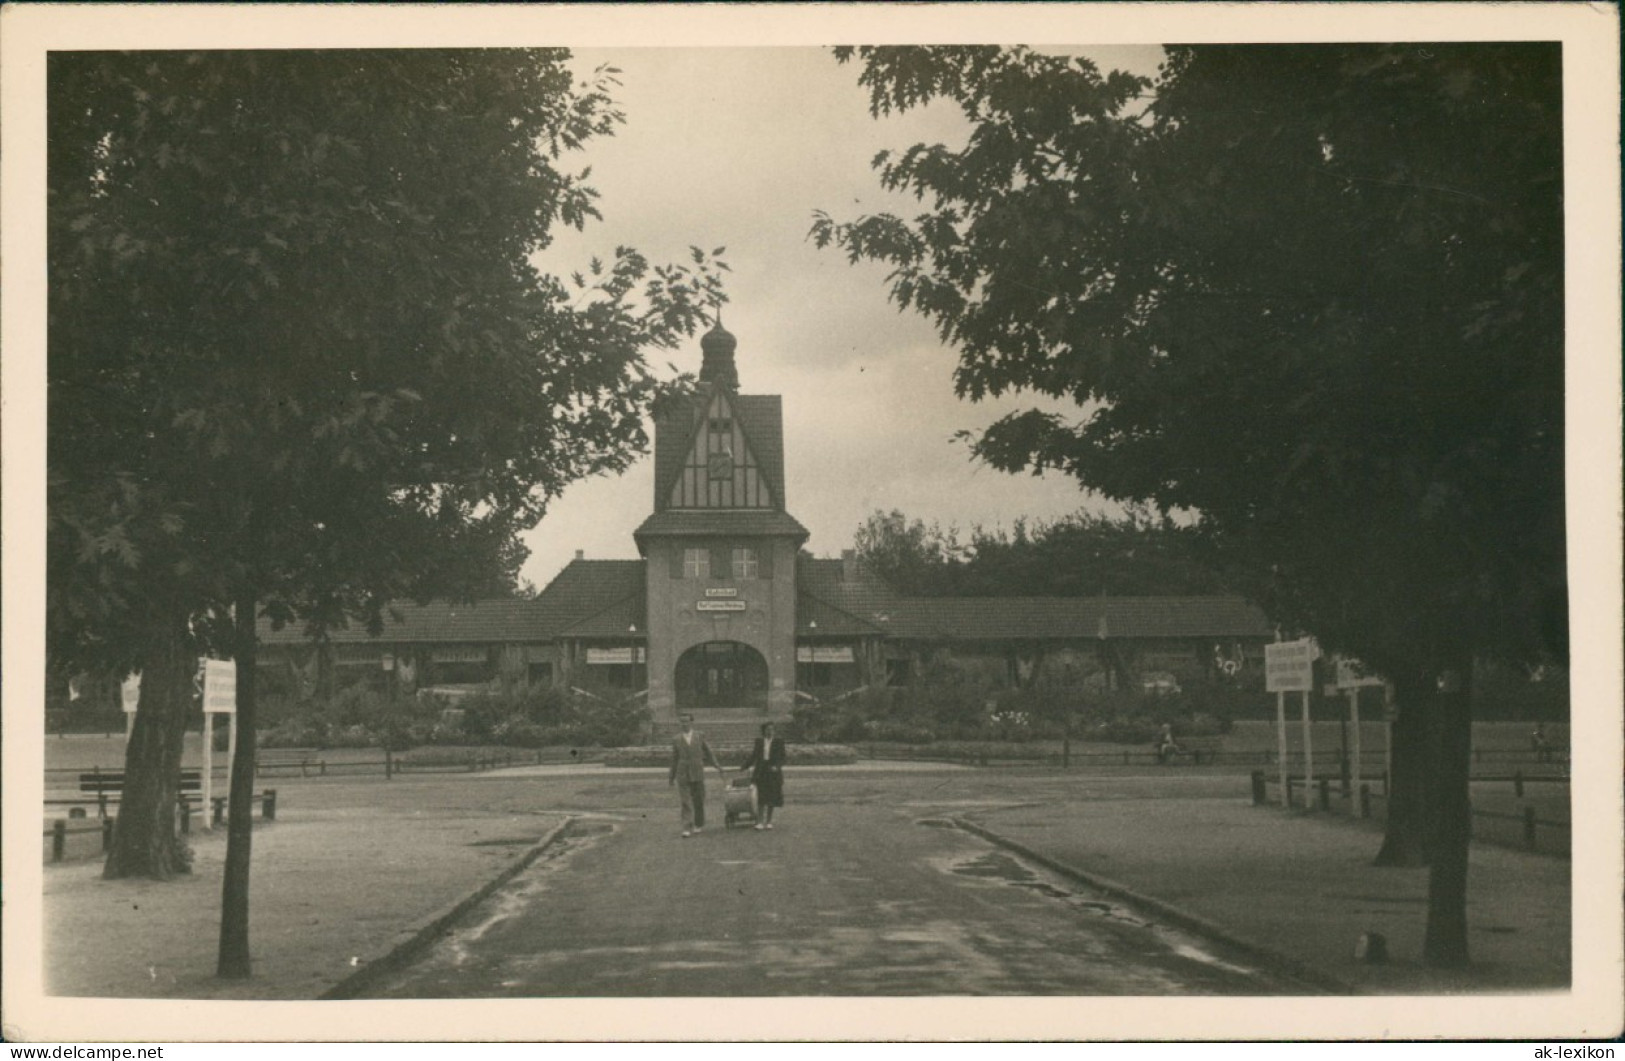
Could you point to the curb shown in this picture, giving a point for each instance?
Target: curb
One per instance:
(436, 925)
(1283, 963)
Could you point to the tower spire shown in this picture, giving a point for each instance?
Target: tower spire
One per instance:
(717, 347)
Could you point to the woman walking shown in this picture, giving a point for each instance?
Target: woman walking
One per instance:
(766, 766)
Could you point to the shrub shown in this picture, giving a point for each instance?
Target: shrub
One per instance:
(299, 731)
(796, 755)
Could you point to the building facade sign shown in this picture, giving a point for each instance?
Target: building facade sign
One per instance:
(730, 591)
(825, 654)
(720, 606)
(615, 655)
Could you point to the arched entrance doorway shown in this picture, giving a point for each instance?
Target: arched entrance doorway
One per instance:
(721, 674)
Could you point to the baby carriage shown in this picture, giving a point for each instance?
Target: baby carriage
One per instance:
(738, 802)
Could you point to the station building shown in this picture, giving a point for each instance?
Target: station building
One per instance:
(726, 616)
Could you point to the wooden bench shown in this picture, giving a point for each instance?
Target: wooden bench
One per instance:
(304, 759)
(108, 785)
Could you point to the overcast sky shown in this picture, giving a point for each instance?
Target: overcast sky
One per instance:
(737, 147)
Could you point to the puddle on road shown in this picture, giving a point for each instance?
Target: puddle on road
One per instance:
(1003, 868)
(511, 901)
(505, 841)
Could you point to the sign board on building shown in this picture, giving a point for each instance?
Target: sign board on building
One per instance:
(720, 606)
(615, 655)
(1351, 674)
(722, 592)
(824, 654)
(1289, 666)
(130, 692)
(220, 686)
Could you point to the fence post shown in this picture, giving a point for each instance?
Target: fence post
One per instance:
(1529, 827)
(268, 805)
(1517, 782)
(1260, 797)
(323, 764)
(1365, 800)
(1346, 774)
(59, 840)
(389, 765)
(107, 834)
(1325, 794)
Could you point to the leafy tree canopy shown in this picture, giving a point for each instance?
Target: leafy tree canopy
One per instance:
(299, 339)
(1085, 554)
(1312, 294)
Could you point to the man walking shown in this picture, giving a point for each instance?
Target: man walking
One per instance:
(689, 756)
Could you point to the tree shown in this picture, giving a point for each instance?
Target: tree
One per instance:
(912, 557)
(1089, 554)
(1312, 294)
(303, 361)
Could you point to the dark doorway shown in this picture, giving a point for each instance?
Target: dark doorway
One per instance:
(721, 674)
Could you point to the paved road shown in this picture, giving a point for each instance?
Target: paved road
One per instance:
(860, 891)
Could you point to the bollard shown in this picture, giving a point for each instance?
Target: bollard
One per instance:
(1325, 794)
(219, 810)
(268, 807)
(1260, 796)
(107, 834)
(1517, 783)
(1529, 827)
(59, 840)
(1365, 800)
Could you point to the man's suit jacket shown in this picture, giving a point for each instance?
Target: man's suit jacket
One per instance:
(689, 758)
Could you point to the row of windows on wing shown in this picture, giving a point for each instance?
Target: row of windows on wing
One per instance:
(736, 562)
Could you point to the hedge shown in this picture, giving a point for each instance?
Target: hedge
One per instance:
(732, 755)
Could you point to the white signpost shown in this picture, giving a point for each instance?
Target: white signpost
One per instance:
(130, 696)
(1351, 678)
(1289, 667)
(219, 698)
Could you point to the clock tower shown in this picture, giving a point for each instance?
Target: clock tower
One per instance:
(720, 554)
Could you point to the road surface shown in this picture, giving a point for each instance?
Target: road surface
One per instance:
(867, 890)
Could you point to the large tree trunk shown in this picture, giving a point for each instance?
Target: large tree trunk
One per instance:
(1450, 823)
(1404, 842)
(234, 955)
(146, 842)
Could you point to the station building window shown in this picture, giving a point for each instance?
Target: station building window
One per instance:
(745, 564)
(696, 563)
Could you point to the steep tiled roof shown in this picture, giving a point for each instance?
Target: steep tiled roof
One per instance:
(761, 418)
(830, 620)
(863, 596)
(626, 619)
(585, 588)
(673, 430)
(578, 595)
(1073, 618)
(437, 621)
(750, 522)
